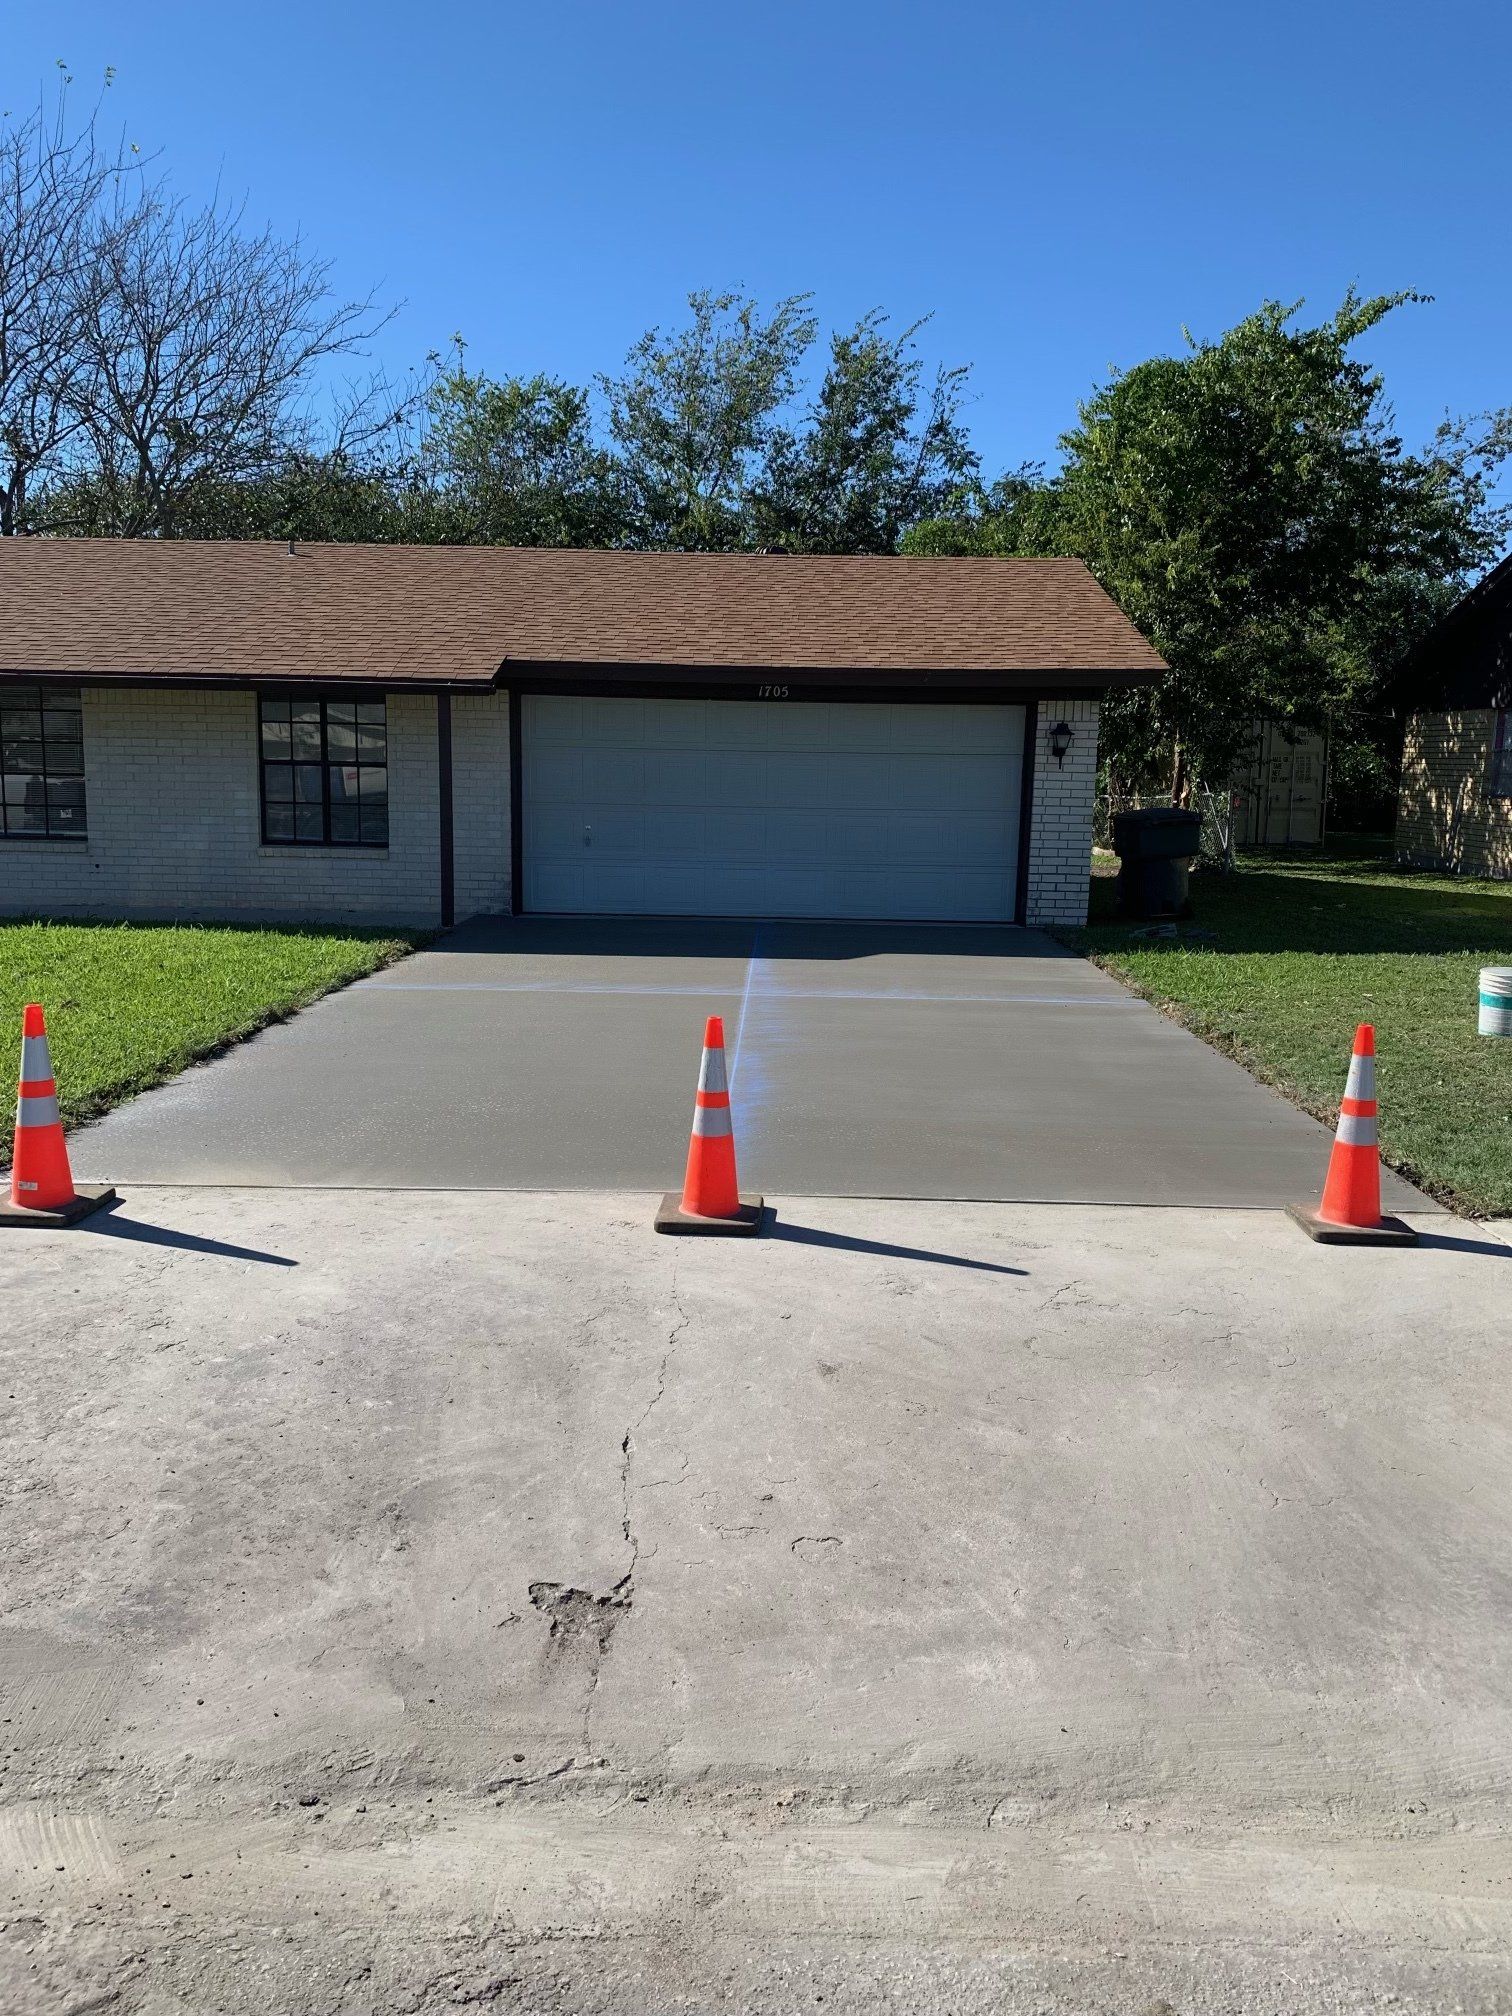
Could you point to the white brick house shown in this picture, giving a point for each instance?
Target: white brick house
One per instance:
(418, 735)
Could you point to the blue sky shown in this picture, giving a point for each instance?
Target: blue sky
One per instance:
(1064, 185)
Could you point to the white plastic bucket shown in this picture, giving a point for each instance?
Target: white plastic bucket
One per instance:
(1496, 1001)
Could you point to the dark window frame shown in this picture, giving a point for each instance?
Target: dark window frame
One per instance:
(1499, 779)
(329, 802)
(42, 700)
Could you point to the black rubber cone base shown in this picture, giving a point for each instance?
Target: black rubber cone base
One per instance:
(1389, 1232)
(672, 1218)
(87, 1197)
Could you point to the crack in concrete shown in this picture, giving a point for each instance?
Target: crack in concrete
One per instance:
(520, 1779)
(582, 1622)
(579, 1619)
(627, 1446)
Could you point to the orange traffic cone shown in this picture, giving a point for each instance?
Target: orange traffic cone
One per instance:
(42, 1185)
(711, 1200)
(1350, 1213)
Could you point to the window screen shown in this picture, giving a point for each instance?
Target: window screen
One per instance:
(324, 772)
(42, 762)
(1501, 758)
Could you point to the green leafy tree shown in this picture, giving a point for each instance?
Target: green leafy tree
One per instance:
(880, 451)
(514, 462)
(1251, 506)
(693, 412)
(1020, 516)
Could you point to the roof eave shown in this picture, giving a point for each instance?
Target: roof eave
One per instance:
(244, 682)
(1026, 679)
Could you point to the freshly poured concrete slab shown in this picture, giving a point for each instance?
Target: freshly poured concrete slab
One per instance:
(884, 1060)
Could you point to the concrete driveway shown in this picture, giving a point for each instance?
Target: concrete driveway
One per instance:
(884, 1061)
(420, 1602)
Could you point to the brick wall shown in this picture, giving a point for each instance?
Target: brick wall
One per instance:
(1446, 817)
(480, 803)
(174, 824)
(1060, 829)
(174, 828)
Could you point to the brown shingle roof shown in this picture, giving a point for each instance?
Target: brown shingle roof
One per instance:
(397, 614)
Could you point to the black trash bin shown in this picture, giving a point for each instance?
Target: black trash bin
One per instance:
(1155, 849)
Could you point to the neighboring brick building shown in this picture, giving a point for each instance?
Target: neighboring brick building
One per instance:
(420, 734)
(1455, 808)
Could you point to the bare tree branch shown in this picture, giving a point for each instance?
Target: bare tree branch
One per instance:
(198, 338)
(54, 181)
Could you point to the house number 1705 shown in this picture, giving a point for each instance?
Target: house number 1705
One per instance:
(772, 693)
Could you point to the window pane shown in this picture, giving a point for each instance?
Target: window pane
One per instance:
(65, 759)
(20, 789)
(274, 710)
(374, 826)
(307, 783)
(308, 824)
(278, 783)
(65, 791)
(67, 820)
(64, 726)
(341, 740)
(372, 785)
(275, 737)
(69, 698)
(279, 822)
(20, 721)
(28, 818)
(342, 711)
(344, 824)
(307, 741)
(370, 712)
(372, 744)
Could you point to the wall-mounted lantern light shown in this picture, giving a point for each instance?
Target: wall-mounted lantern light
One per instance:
(1061, 739)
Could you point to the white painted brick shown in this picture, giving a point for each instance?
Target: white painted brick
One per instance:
(1060, 826)
(174, 820)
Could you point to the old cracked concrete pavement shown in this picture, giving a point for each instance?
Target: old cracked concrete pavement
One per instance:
(416, 1602)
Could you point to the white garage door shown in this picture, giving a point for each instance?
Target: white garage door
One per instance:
(739, 808)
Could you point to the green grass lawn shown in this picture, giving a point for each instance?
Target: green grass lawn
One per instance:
(128, 1005)
(1301, 949)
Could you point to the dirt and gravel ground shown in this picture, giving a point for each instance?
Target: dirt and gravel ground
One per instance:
(429, 1601)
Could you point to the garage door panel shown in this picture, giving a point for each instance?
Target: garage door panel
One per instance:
(676, 832)
(798, 779)
(676, 776)
(798, 839)
(554, 775)
(806, 728)
(738, 729)
(869, 731)
(615, 775)
(737, 776)
(928, 781)
(557, 832)
(614, 829)
(742, 808)
(857, 779)
(975, 783)
(742, 834)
